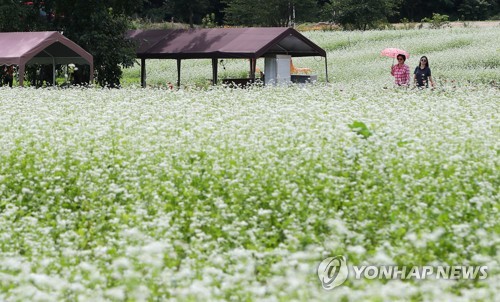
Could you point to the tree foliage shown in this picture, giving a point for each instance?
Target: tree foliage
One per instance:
(188, 11)
(99, 30)
(11, 12)
(360, 14)
(416, 10)
(477, 9)
(269, 12)
(36, 15)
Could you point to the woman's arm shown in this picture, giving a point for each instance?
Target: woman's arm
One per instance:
(432, 82)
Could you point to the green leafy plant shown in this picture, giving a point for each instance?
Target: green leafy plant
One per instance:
(209, 21)
(361, 129)
(406, 23)
(437, 20)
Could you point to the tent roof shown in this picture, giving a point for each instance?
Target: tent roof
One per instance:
(21, 48)
(250, 42)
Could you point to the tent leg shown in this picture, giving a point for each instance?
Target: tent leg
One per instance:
(215, 66)
(178, 73)
(21, 75)
(326, 69)
(143, 73)
(253, 64)
(91, 75)
(53, 73)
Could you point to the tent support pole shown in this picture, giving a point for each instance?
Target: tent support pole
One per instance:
(178, 73)
(143, 73)
(53, 72)
(215, 66)
(21, 74)
(326, 69)
(91, 75)
(253, 63)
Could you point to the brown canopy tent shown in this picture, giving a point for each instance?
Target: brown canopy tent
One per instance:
(49, 47)
(221, 43)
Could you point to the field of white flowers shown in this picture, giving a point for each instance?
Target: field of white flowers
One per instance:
(230, 194)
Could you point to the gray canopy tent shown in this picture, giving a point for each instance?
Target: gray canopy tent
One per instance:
(221, 43)
(49, 47)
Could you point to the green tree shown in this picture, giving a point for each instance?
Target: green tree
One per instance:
(360, 14)
(413, 10)
(155, 11)
(11, 12)
(127, 7)
(188, 10)
(477, 9)
(37, 15)
(101, 31)
(269, 12)
(216, 7)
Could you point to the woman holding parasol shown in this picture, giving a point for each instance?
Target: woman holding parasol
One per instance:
(400, 71)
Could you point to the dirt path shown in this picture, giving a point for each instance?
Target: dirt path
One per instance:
(475, 24)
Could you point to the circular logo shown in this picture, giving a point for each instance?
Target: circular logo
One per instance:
(332, 272)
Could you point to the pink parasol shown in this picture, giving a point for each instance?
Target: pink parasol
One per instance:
(394, 52)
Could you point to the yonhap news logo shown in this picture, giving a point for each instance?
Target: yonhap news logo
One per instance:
(334, 271)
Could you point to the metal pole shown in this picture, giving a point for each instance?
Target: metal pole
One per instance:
(53, 72)
(21, 70)
(178, 73)
(215, 66)
(143, 73)
(253, 64)
(326, 69)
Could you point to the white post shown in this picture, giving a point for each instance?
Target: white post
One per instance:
(277, 70)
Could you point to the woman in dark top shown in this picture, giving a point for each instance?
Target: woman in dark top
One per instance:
(422, 74)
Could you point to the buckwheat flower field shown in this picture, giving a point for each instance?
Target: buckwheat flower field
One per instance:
(231, 194)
